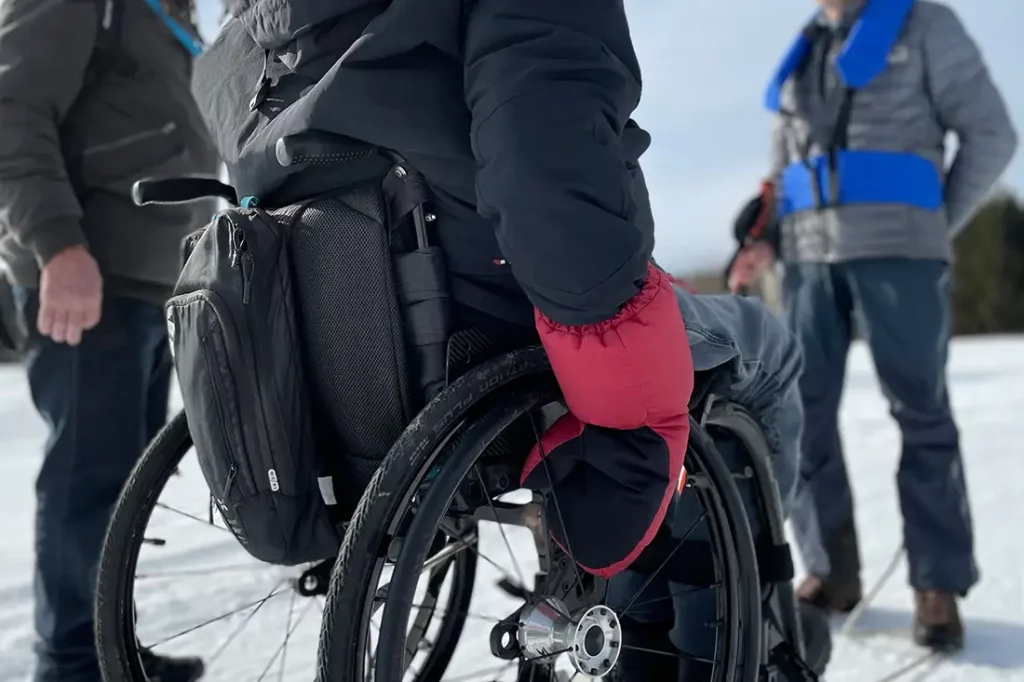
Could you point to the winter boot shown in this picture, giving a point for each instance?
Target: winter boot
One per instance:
(168, 669)
(937, 623)
(841, 590)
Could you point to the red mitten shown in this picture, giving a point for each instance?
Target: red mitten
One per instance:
(616, 459)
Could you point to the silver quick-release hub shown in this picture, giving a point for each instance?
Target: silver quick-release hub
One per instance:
(592, 643)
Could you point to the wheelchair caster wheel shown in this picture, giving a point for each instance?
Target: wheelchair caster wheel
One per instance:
(592, 644)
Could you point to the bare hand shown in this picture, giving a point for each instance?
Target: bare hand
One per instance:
(751, 264)
(70, 296)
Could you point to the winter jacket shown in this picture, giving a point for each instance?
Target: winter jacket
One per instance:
(415, 83)
(517, 112)
(934, 82)
(71, 146)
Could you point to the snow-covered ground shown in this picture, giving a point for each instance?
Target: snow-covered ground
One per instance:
(181, 589)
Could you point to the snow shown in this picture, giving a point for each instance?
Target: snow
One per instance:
(987, 383)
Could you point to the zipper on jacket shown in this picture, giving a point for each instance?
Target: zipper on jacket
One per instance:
(163, 131)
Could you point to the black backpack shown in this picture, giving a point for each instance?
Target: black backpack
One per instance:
(305, 339)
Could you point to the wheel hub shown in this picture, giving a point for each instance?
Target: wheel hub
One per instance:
(593, 643)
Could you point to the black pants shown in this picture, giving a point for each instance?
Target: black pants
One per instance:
(102, 401)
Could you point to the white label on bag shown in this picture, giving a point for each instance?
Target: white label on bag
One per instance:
(274, 485)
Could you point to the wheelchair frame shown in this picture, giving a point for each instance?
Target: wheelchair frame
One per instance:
(768, 569)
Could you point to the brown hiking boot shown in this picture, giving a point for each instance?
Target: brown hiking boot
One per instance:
(937, 623)
(841, 590)
(830, 595)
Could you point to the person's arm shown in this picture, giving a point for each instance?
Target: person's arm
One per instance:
(45, 46)
(967, 103)
(550, 87)
(778, 158)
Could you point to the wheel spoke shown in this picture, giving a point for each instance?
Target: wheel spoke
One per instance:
(650, 578)
(554, 496)
(672, 595)
(187, 515)
(241, 626)
(161, 575)
(451, 532)
(284, 644)
(211, 621)
(501, 526)
(287, 628)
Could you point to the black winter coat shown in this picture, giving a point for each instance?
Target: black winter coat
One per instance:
(517, 112)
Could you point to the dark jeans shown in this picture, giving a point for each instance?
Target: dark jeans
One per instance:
(102, 401)
(691, 610)
(757, 365)
(902, 310)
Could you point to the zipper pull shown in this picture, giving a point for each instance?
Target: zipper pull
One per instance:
(247, 267)
(232, 473)
(237, 246)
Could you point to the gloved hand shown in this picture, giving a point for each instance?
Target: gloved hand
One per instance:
(616, 459)
(756, 231)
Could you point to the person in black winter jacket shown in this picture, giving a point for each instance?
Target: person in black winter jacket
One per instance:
(518, 114)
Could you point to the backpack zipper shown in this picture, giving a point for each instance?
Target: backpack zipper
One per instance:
(232, 475)
(248, 265)
(240, 258)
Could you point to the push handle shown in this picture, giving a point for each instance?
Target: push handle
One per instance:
(181, 190)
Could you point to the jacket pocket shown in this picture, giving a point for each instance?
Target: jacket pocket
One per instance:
(128, 157)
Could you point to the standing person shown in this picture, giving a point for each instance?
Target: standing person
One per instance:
(93, 95)
(867, 212)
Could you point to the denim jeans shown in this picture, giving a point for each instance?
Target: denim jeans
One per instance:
(758, 364)
(902, 310)
(102, 402)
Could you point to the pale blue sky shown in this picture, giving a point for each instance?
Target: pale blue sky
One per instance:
(705, 63)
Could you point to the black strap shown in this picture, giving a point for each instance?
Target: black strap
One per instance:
(107, 55)
(840, 140)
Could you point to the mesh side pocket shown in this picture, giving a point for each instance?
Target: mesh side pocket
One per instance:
(355, 349)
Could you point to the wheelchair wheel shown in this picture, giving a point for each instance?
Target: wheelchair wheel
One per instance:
(247, 619)
(443, 486)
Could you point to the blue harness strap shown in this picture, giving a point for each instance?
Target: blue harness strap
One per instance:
(843, 176)
(865, 177)
(193, 45)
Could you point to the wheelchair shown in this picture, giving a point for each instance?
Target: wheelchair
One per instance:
(427, 510)
(403, 599)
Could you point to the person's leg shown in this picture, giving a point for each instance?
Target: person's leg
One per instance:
(817, 309)
(696, 609)
(159, 393)
(94, 400)
(756, 363)
(646, 615)
(905, 309)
